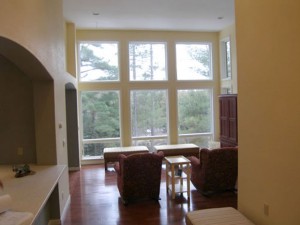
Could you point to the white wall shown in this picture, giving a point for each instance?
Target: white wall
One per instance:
(38, 26)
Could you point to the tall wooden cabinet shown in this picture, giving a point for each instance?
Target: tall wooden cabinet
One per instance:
(228, 120)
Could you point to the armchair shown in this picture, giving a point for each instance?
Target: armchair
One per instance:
(216, 170)
(139, 176)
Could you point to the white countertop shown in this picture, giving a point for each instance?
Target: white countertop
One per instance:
(30, 193)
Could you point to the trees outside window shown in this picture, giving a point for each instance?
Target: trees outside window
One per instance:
(193, 61)
(194, 116)
(101, 121)
(143, 92)
(149, 116)
(99, 61)
(147, 61)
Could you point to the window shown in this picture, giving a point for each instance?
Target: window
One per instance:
(195, 116)
(165, 89)
(149, 117)
(99, 61)
(101, 121)
(147, 61)
(193, 61)
(225, 59)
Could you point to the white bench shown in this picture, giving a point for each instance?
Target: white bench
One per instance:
(217, 216)
(178, 149)
(112, 154)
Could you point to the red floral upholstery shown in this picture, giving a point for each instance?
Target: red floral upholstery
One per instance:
(216, 170)
(139, 176)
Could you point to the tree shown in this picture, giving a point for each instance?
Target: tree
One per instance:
(194, 111)
(202, 55)
(89, 61)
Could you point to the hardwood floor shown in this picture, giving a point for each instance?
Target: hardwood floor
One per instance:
(95, 200)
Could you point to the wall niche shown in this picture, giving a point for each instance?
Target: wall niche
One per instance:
(27, 120)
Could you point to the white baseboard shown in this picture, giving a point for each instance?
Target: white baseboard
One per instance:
(64, 212)
(54, 222)
(74, 168)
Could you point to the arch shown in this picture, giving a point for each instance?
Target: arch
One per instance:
(72, 127)
(24, 60)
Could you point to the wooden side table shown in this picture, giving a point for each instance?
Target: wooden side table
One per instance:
(180, 179)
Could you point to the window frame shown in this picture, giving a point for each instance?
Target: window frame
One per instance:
(84, 141)
(224, 59)
(212, 122)
(101, 42)
(211, 71)
(171, 84)
(165, 57)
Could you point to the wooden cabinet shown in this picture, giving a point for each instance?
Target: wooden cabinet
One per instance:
(228, 120)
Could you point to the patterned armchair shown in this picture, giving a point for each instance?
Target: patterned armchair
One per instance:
(216, 170)
(139, 175)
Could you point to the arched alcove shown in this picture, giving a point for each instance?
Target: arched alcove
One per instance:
(72, 127)
(27, 120)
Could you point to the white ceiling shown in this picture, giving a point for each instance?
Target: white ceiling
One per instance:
(179, 15)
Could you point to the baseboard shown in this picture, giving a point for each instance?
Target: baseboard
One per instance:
(54, 222)
(64, 212)
(74, 168)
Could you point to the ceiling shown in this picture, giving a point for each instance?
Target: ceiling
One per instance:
(176, 15)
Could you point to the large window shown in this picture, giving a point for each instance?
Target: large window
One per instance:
(164, 88)
(193, 61)
(101, 121)
(195, 116)
(149, 124)
(147, 61)
(99, 61)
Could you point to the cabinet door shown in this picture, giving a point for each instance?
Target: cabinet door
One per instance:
(232, 119)
(224, 113)
(228, 120)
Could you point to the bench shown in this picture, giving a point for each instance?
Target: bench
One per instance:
(217, 216)
(112, 154)
(178, 149)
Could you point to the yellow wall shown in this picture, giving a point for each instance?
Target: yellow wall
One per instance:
(268, 49)
(38, 26)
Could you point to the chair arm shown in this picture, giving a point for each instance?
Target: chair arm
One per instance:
(117, 168)
(194, 161)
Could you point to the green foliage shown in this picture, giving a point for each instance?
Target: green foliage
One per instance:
(88, 58)
(148, 113)
(202, 55)
(194, 111)
(100, 111)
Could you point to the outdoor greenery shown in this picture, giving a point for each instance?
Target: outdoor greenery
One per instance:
(194, 111)
(149, 108)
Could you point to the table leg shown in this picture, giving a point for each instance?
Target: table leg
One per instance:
(188, 179)
(173, 180)
(167, 177)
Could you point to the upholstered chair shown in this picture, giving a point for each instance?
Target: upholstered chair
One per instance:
(139, 176)
(216, 170)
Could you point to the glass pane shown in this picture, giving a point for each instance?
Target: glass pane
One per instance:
(193, 61)
(150, 143)
(201, 141)
(100, 114)
(147, 61)
(96, 149)
(228, 59)
(98, 61)
(149, 113)
(194, 111)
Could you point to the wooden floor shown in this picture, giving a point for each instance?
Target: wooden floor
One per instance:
(95, 200)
